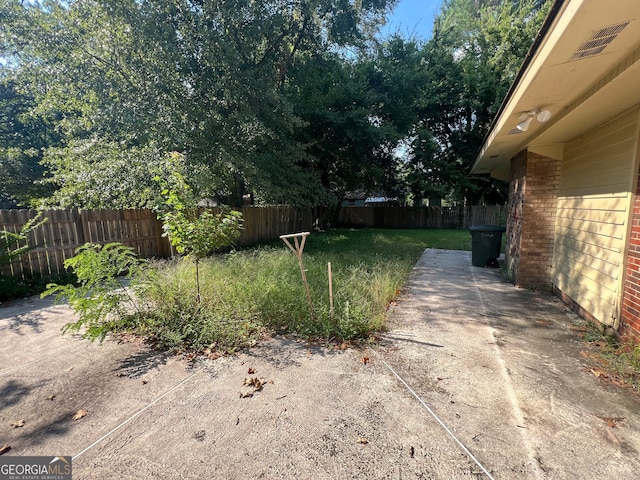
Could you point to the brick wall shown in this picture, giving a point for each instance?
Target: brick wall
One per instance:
(630, 312)
(533, 200)
(514, 213)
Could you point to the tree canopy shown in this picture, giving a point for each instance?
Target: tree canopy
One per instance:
(292, 101)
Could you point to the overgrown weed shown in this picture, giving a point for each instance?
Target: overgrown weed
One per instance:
(246, 295)
(622, 359)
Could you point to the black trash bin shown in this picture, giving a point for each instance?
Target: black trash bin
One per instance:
(486, 241)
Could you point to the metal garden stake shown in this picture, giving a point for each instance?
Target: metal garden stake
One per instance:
(297, 248)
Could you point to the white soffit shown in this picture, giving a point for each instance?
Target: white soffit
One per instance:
(587, 62)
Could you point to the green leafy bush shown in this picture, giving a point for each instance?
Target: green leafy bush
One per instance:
(17, 287)
(12, 245)
(100, 299)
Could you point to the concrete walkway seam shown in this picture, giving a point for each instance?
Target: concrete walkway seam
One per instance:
(511, 394)
(433, 414)
(137, 413)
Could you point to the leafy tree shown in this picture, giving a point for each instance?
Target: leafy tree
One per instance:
(94, 173)
(193, 232)
(469, 63)
(287, 99)
(344, 140)
(22, 139)
(208, 79)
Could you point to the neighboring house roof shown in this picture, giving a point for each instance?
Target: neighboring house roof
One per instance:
(378, 199)
(583, 68)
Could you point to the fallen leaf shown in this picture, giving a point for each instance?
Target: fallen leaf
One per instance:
(4, 449)
(79, 414)
(18, 424)
(363, 441)
(51, 397)
(251, 371)
(597, 373)
(246, 394)
(612, 421)
(255, 382)
(364, 360)
(614, 381)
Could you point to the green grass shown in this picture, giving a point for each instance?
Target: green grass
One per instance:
(619, 363)
(249, 293)
(411, 242)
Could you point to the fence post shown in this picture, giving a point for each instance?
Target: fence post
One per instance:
(84, 235)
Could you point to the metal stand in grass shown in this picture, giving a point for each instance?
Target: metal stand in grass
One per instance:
(297, 248)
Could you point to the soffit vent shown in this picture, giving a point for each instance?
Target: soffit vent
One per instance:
(598, 40)
(515, 131)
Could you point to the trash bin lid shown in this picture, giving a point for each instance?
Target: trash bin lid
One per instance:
(487, 228)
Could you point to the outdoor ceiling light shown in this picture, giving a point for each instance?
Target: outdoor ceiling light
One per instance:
(543, 116)
(525, 119)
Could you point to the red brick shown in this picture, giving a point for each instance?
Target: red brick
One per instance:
(630, 314)
(532, 218)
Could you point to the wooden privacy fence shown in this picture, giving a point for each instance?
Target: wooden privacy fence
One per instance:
(66, 230)
(422, 217)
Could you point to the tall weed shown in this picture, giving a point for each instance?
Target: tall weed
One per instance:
(249, 293)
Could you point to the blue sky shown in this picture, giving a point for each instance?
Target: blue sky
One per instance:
(413, 17)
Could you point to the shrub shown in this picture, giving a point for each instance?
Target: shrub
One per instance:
(100, 299)
(13, 245)
(16, 287)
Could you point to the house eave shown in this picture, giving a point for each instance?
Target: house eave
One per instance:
(578, 93)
